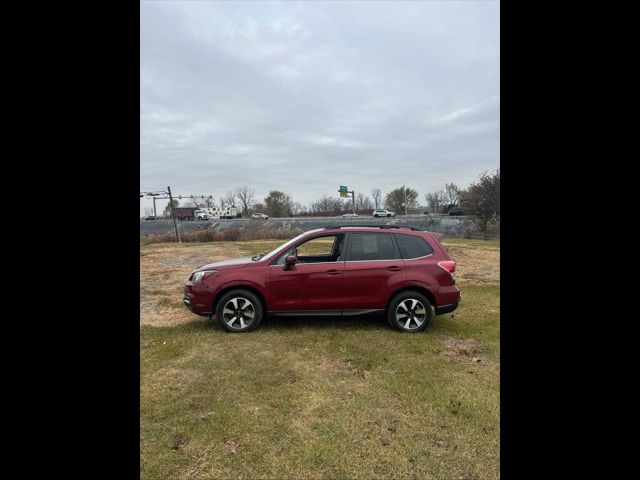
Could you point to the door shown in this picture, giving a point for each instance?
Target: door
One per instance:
(315, 282)
(373, 270)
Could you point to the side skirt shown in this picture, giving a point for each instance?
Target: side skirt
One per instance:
(323, 313)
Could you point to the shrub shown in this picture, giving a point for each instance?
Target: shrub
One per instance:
(253, 232)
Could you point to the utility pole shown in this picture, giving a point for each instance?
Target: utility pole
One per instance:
(153, 196)
(353, 198)
(175, 224)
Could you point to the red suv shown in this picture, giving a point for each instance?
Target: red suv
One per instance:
(332, 271)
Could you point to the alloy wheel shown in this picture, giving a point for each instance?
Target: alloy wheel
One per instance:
(238, 313)
(411, 314)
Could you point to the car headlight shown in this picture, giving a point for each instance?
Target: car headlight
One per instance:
(198, 276)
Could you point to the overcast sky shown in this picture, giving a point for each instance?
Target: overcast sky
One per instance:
(306, 96)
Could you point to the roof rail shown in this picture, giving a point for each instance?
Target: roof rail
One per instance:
(373, 226)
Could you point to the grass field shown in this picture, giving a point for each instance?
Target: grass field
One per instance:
(317, 397)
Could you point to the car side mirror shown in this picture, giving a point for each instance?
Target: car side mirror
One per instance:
(290, 261)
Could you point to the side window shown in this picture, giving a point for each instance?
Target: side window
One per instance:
(327, 248)
(371, 246)
(317, 246)
(413, 247)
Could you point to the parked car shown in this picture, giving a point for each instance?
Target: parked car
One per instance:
(350, 215)
(342, 270)
(383, 213)
(457, 211)
(260, 216)
(150, 218)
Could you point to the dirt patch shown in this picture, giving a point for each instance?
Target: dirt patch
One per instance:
(164, 268)
(460, 347)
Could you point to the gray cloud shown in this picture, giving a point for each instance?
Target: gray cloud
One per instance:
(304, 96)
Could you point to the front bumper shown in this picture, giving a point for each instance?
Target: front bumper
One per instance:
(447, 308)
(187, 303)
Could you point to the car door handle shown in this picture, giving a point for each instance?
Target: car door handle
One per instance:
(333, 272)
(394, 269)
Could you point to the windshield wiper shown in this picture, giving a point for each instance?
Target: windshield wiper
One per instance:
(255, 258)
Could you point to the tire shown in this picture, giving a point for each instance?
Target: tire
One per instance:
(388, 215)
(376, 215)
(411, 301)
(227, 315)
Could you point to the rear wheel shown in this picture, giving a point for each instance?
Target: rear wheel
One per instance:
(376, 215)
(409, 311)
(239, 311)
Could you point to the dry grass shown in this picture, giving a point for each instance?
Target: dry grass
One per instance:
(476, 264)
(164, 267)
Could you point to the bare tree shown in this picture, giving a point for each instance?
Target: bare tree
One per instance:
(452, 194)
(324, 204)
(376, 193)
(435, 201)
(202, 202)
(363, 202)
(230, 199)
(297, 208)
(245, 196)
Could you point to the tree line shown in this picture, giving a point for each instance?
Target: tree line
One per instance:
(481, 200)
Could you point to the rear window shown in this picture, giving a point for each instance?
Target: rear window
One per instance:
(371, 246)
(413, 247)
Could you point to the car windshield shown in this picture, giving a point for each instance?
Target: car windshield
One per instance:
(284, 245)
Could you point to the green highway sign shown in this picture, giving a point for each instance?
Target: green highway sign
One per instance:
(343, 188)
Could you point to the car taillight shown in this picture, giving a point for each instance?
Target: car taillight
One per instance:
(450, 267)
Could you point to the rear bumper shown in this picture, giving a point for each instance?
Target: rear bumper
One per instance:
(447, 308)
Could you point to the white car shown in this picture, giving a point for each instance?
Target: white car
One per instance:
(350, 215)
(260, 216)
(383, 213)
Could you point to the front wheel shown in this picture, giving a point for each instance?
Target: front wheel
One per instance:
(376, 216)
(409, 311)
(239, 311)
